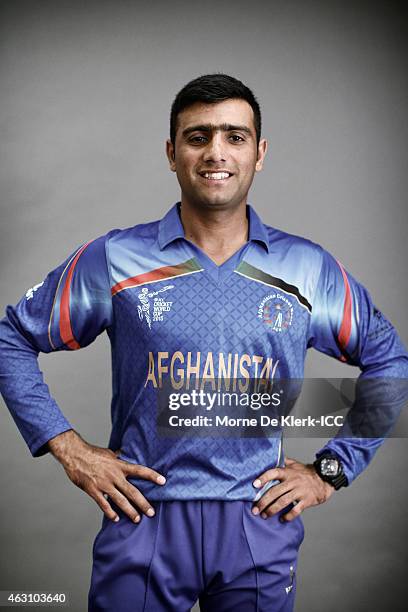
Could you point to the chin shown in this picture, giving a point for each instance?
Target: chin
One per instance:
(216, 201)
(217, 204)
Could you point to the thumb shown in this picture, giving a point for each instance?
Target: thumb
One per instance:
(289, 461)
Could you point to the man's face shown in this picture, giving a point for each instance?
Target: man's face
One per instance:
(215, 154)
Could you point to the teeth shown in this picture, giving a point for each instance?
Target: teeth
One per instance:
(216, 175)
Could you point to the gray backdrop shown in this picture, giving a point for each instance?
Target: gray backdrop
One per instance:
(85, 96)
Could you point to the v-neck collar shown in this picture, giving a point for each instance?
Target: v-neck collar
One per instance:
(218, 273)
(171, 229)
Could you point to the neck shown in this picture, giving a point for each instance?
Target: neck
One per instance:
(219, 233)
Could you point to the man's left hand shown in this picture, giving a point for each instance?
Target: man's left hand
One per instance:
(299, 484)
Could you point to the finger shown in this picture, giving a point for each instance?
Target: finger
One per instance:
(104, 506)
(274, 474)
(122, 503)
(279, 504)
(270, 496)
(136, 497)
(141, 471)
(294, 513)
(289, 461)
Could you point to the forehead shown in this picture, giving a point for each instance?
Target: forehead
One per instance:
(235, 112)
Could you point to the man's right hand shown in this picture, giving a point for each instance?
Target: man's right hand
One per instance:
(98, 471)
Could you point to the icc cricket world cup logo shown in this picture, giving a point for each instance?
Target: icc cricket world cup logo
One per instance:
(159, 305)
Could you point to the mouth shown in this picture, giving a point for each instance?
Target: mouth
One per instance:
(219, 176)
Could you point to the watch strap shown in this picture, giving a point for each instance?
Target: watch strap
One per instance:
(339, 481)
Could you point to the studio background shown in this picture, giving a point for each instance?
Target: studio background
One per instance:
(86, 90)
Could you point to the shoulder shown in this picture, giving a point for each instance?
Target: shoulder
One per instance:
(294, 245)
(142, 234)
(295, 260)
(298, 253)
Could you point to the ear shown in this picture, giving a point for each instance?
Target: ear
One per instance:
(262, 148)
(170, 152)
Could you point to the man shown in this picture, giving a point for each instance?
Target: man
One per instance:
(207, 293)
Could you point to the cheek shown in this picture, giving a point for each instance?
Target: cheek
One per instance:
(247, 171)
(246, 163)
(185, 175)
(186, 167)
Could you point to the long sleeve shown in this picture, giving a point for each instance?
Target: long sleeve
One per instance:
(346, 325)
(67, 311)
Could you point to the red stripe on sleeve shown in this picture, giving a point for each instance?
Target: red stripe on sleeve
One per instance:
(148, 277)
(345, 328)
(66, 333)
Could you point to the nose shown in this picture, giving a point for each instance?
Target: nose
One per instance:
(215, 150)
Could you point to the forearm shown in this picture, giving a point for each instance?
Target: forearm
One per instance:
(379, 399)
(25, 393)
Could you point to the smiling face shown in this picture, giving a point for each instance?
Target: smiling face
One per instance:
(216, 154)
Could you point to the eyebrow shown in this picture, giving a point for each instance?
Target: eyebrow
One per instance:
(210, 127)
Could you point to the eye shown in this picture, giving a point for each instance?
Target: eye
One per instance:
(197, 139)
(236, 138)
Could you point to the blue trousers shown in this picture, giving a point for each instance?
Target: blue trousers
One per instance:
(215, 551)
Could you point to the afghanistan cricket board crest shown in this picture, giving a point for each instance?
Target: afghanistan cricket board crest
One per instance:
(276, 311)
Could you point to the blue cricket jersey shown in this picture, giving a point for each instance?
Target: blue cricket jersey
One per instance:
(171, 312)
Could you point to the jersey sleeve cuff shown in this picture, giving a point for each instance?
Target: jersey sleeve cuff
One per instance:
(39, 446)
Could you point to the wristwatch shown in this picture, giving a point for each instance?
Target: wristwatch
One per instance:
(330, 469)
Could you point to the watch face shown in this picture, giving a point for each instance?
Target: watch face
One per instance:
(329, 467)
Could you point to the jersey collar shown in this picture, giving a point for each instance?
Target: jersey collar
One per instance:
(171, 228)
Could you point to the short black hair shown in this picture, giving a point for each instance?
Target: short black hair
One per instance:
(210, 89)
